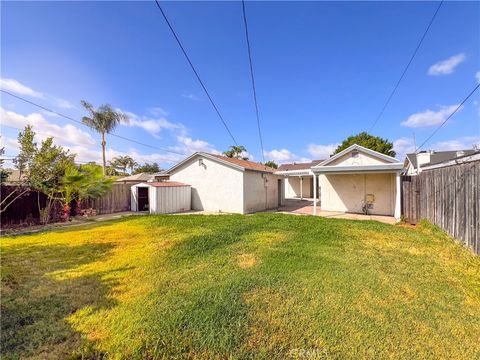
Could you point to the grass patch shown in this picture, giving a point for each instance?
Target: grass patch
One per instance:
(262, 286)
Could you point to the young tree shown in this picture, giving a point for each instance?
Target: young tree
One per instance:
(123, 163)
(147, 168)
(272, 164)
(4, 173)
(237, 152)
(369, 141)
(103, 120)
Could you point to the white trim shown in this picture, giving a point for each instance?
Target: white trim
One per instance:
(314, 194)
(359, 148)
(359, 168)
(398, 199)
(294, 172)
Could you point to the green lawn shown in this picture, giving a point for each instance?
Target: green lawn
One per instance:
(262, 286)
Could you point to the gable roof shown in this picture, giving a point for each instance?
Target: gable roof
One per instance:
(238, 164)
(299, 166)
(360, 148)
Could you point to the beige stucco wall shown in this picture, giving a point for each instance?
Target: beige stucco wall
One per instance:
(346, 192)
(259, 197)
(292, 187)
(215, 187)
(361, 159)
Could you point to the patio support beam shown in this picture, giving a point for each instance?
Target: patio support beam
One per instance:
(398, 197)
(301, 188)
(314, 194)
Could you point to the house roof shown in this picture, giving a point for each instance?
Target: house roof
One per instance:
(246, 164)
(437, 157)
(299, 166)
(234, 163)
(142, 177)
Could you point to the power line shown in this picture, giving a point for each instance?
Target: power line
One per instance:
(195, 72)
(253, 78)
(81, 123)
(406, 67)
(449, 116)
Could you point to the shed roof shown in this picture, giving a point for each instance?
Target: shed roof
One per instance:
(166, 184)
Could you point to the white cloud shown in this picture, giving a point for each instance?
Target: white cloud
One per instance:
(158, 111)
(461, 143)
(191, 97)
(16, 87)
(447, 66)
(402, 147)
(188, 146)
(282, 156)
(64, 135)
(153, 126)
(429, 118)
(321, 151)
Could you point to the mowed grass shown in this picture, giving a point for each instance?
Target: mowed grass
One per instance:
(263, 286)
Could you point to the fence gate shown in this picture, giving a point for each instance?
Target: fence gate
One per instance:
(411, 198)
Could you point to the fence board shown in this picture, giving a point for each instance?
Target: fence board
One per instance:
(448, 197)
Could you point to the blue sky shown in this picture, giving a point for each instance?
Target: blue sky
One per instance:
(323, 71)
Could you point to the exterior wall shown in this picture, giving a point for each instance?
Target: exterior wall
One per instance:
(347, 192)
(170, 199)
(214, 187)
(292, 187)
(259, 197)
(361, 159)
(410, 169)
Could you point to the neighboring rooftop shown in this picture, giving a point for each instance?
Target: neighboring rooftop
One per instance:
(437, 157)
(299, 166)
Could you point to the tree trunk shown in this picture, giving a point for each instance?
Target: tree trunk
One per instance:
(104, 165)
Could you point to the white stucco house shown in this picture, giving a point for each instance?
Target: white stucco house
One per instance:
(356, 180)
(222, 184)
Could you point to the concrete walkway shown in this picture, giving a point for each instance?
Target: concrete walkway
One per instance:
(305, 207)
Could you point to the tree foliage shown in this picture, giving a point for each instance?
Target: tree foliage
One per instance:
(103, 120)
(369, 141)
(148, 168)
(237, 152)
(4, 173)
(272, 164)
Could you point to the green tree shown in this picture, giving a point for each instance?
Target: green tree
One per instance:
(28, 148)
(81, 182)
(4, 173)
(103, 120)
(148, 168)
(369, 141)
(123, 163)
(272, 164)
(237, 152)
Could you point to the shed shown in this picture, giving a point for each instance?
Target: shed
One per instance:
(164, 197)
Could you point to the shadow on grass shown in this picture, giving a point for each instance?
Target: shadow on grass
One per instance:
(34, 305)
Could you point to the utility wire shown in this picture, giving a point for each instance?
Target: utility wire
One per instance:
(406, 68)
(81, 123)
(195, 72)
(253, 79)
(449, 116)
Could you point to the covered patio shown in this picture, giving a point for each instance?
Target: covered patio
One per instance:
(305, 207)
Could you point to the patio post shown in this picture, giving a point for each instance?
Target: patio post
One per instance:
(301, 188)
(314, 194)
(398, 197)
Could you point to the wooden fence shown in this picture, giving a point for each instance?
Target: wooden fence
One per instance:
(448, 197)
(24, 211)
(116, 200)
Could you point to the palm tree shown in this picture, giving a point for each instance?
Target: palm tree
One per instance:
(123, 162)
(103, 120)
(236, 152)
